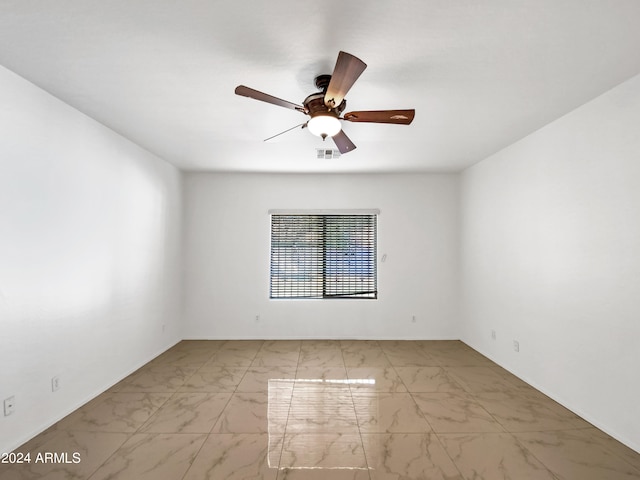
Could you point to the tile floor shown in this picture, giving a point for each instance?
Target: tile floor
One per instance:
(361, 410)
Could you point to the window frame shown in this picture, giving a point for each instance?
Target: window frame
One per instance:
(367, 239)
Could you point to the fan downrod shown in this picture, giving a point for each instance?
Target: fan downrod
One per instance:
(322, 82)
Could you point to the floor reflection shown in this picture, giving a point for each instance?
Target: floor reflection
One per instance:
(314, 419)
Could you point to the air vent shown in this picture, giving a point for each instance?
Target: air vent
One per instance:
(327, 153)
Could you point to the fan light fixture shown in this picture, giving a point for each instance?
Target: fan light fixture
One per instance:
(324, 125)
(324, 107)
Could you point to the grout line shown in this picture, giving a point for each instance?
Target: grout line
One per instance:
(522, 446)
(355, 412)
(286, 423)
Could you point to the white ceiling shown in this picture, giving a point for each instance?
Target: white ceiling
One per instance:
(480, 74)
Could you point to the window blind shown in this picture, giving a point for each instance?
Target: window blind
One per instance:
(323, 256)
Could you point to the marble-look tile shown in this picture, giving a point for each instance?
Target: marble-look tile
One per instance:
(522, 412)
(321, 357)
(375, 379)
(571, 454)
(187, 413)
(193, 345)
(365, 357)
(488, 456)
(158, 379)
(323, 474)
(321, 373)
(214, 379)
(82, 452)
(455, 413)
(246, 413)
(242, 345)
(36, 442)
(555, 407)
(236, 353)
(81, 412)
(306, 389)
(231, 358)
(238, 456)
(469, 358)
(495, 401)
(276, 359)
(388, 413)
(443, 346)
(279, 396)
(427, 379)
(320, 344)
(256, 379)
(183, 358)
(398, 345)
(328, 452)
(480, 379)
(280, 346)
(152, 456)
(95, 401)
(120, 412)
(512, 379)
(116, 387)
(407, 456)
(18, 472)
(409, 357)
(322, 408)
(612, 445)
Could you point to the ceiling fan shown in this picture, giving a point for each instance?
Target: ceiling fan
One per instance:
(326, 106)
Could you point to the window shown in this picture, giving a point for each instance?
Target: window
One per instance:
(323, 256)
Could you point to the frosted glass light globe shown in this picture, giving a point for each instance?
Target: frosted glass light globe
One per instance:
(324, 125)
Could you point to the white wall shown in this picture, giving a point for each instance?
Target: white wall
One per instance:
(551, 258)
(227, 235)
(89, 257)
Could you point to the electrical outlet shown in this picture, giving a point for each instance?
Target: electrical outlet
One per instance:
(55, 384)
(9, 406)
(413, 319)
(493, 334)
(257, 318)
(516, 345)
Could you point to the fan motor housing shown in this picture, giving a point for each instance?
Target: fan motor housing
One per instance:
(314, 105)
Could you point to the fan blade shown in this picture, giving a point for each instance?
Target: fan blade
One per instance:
(400, 117)
(263, 97)
(347, 70)
(303, 125)
(344, 144)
